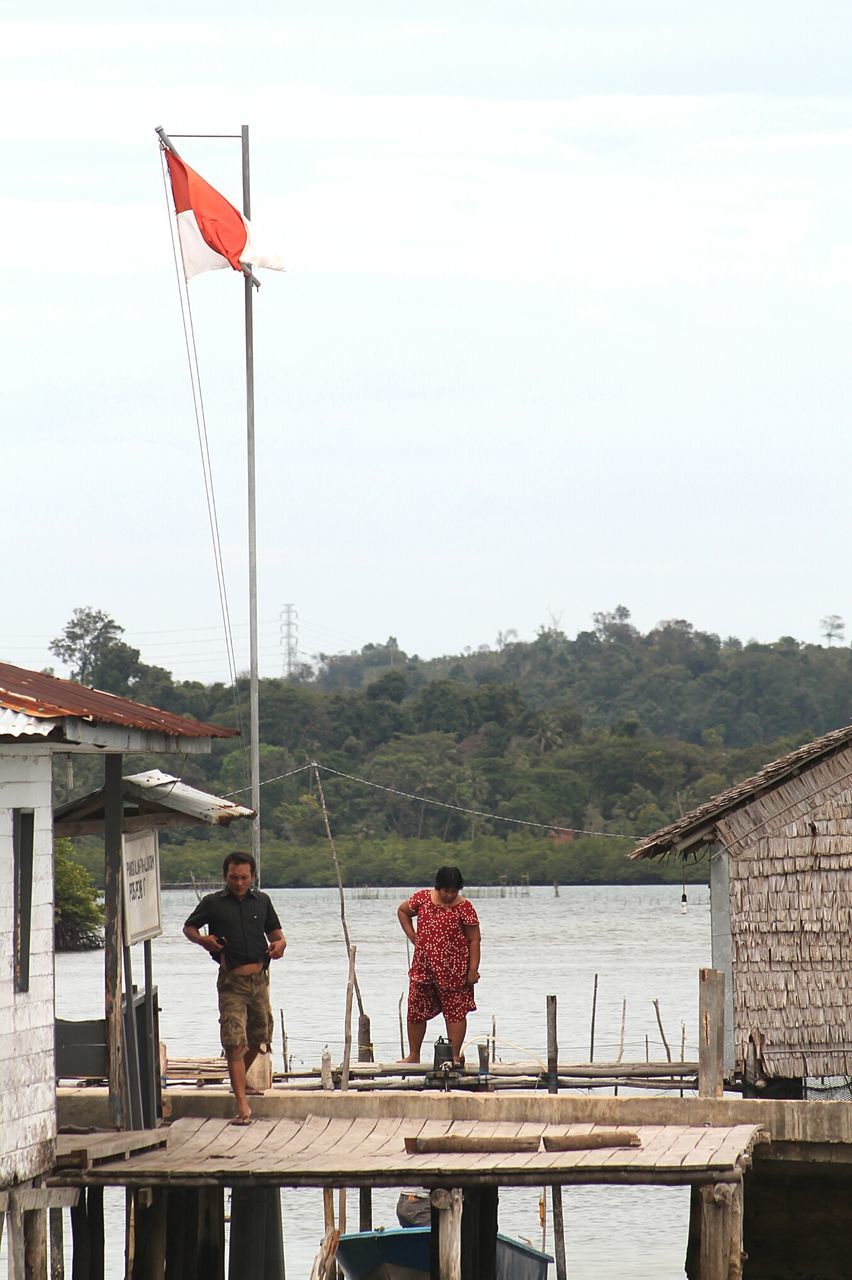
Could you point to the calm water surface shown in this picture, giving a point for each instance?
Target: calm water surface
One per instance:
(634, 938)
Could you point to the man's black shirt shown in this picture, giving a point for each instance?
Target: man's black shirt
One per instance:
(244, 924)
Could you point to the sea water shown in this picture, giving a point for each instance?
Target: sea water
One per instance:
(636, 939)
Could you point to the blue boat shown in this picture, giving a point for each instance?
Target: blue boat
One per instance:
(403, 1254)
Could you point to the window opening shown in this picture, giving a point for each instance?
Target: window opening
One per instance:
(23, 823)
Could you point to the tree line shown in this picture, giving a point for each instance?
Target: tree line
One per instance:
(611, 731)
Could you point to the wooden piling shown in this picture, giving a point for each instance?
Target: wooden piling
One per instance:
(57, 1245)
(150, 1218)
(365, 1039)
(479, 1232)
(711, 1033)
(15, 1242)
(365, 1209)
(35, 1244)
(715, 1248)
(446, 1234)
(594, 1012)
(559, 1233)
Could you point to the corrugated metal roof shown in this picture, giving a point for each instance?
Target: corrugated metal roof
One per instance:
(47, 698)
(14, 724)
(691, 828)
(166, 790)
(151, 799)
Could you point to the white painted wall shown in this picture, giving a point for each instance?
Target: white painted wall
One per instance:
(27, 1072)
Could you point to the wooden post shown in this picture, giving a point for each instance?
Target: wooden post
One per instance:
(210, 1251)
(594, 1012)
(347, 1023)
(15, 1241)
(735, 1261)
(328, 1208)
(95, 1215)
(257, 1242)
(150, 1259)
(365, 1039)
(559, 1233)
(81, 1244)
(35, 1244)
(479, 1232)
(446, 1234)
(715, 1248)
(57, 1246)
(711, 1033)
(365, 1209)
(113, 812)
(552, 1047)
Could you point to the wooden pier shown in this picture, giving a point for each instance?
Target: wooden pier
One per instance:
(750, 1165)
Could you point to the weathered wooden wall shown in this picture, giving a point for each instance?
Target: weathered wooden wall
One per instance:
(790, 876)
(27, 1084)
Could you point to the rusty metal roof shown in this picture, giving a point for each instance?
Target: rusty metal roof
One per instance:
(42, 698)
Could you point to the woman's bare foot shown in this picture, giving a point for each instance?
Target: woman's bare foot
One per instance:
(411, 1057)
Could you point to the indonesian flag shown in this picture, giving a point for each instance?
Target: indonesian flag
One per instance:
(212, 232)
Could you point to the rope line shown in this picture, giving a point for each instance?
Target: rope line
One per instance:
(204, 450)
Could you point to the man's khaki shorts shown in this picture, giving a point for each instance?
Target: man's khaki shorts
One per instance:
(245, 1018)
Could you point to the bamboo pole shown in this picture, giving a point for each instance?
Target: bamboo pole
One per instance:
(347, 1027)
(594, 1011)
(656, 1005)
(327, 824)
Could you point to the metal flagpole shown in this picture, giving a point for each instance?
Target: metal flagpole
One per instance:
(250, 283)
(252, 530)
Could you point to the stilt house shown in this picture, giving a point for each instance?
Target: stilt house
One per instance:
(39, 716)
(779, 847)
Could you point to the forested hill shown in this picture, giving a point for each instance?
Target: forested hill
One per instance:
(613, 730)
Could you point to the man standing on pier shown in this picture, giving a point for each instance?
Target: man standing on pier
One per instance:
(243, 936)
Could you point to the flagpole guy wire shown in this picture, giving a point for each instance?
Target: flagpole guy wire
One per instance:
(166, 143)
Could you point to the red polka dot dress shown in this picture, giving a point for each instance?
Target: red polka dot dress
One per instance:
(438, 972)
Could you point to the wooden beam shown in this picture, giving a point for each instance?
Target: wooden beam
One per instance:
(711, 1033)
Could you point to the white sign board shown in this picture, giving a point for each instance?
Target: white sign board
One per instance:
(140, 873)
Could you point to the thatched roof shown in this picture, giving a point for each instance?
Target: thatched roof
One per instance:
(698, 827)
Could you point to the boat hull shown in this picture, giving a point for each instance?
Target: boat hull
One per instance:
(404, 1255)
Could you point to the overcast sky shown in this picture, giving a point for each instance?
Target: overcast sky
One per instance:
(566, 321)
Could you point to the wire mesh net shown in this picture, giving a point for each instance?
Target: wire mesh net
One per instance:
(829, 1088)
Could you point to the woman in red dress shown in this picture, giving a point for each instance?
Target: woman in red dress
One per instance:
(446, 959)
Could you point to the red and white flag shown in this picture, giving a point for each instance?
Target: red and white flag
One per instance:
(212, 232)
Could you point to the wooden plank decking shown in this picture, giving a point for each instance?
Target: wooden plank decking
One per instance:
(369, 1151)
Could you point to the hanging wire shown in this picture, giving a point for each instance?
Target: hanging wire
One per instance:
(204, 449)
(440, 804)
(477, 813)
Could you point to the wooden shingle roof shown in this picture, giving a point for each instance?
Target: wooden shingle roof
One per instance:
(697, 827)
